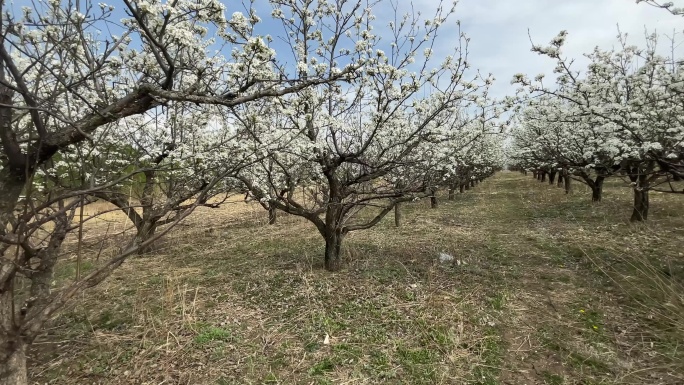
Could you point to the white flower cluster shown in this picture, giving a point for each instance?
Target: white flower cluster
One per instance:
(395, 124)
(396, 128)
(624, 114)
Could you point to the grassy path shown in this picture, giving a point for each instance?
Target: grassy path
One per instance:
(572, 316)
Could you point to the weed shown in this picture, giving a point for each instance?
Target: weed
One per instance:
(212, 333)
(322, 367)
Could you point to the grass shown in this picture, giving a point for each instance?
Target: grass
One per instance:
(552, 290)
(212, 333)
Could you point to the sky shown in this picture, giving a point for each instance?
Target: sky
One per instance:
(499, 31)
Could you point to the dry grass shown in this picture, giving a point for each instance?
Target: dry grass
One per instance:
(553, 290)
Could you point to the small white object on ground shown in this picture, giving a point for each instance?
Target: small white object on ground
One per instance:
(444, 257)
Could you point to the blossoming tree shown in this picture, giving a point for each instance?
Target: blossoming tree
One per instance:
(553, 135)
(348, 140)
(631, 99)
(78, 86)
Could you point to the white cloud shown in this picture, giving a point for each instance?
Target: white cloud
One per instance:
(499, 31)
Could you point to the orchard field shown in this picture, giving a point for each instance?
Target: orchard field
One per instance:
(544, 288)
(341, 192)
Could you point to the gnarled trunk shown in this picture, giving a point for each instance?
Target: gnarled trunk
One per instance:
(148, 225)
(552, 177)
(397, 214)
(597, 189)
(333, 244)
(560, 179)
(567, 181)
(10, 191)
(433, 199)
(146, 231)
(13, 362)
(12, 175)
(640, 211)
(596, 185)
(13, 342)
(332, 229)
(12, 346)
(543, 177)
(596, 194)
(639, 175)
(272, 215)
(641, 186)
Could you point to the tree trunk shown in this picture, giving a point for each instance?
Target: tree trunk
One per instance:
(12, 176)
(333, 243)
(332, 230)
(433, 202)
(543, 177)
(397, 214)
(640, 212)
(639, 175)
(597, 190)
(10, 191)
(13, 363)
(272, 215)
(552, 177)
(452, 195)
(12, 346)
(567, 180)
(467, 186)
(461, 188)
(472, 183)
(148, 226)
(43, 276)
(145, 232)
(641, 204)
